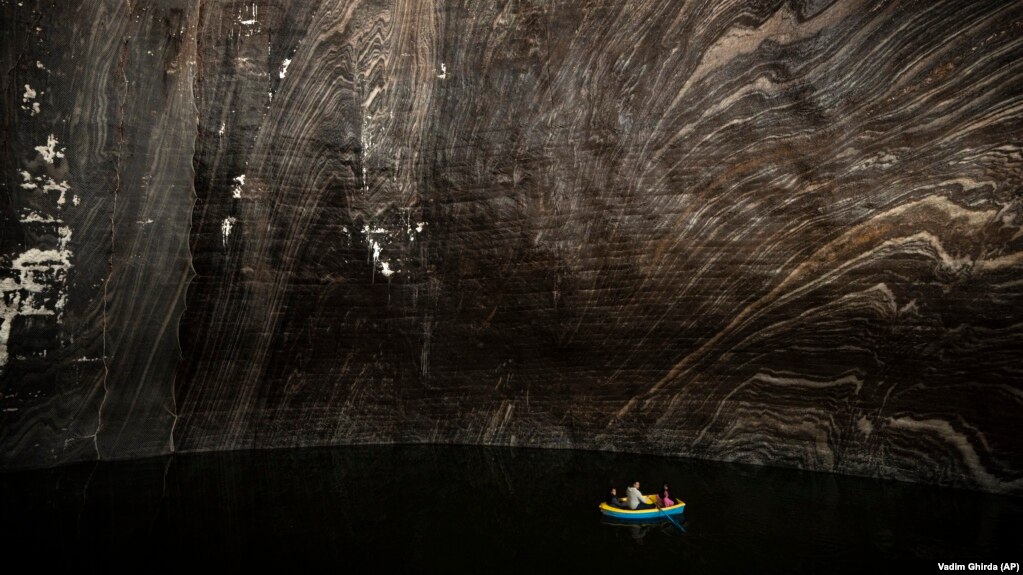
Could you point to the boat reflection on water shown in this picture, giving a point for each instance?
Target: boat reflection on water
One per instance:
(638, 530)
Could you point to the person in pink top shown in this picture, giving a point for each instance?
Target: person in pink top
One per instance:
(665, 496)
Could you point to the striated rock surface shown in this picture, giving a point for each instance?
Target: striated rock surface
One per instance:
(97, 192)
(772, 232)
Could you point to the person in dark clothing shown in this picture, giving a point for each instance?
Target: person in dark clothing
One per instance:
(612, 498)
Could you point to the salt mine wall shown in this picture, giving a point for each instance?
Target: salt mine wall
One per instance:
(784, 233)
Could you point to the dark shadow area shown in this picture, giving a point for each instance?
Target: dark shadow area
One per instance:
(481, 510)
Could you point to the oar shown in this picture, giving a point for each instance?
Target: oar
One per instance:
(666, 514)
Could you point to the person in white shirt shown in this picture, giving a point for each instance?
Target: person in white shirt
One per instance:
(635, 497)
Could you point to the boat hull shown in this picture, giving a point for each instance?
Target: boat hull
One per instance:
(643, 514)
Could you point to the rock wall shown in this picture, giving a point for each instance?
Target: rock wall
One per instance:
(774, 232)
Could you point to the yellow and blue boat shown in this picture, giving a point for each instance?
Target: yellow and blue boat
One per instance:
(655, 514)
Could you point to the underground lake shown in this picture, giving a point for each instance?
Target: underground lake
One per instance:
(470, 509)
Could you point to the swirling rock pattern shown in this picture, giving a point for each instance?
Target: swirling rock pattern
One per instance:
(94, 257)
(774, 232)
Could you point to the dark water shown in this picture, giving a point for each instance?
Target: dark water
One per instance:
(482, 510)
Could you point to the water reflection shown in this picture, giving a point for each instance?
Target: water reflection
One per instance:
(638, 530)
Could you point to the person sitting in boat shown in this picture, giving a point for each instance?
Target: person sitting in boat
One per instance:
(636, 499)
(613, 500)
(665, 496)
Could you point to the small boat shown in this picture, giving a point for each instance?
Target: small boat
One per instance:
(654, 514)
